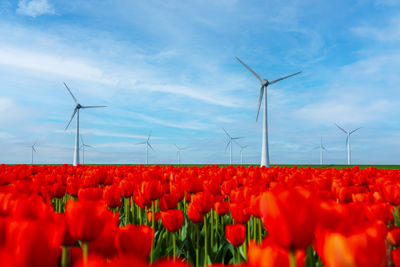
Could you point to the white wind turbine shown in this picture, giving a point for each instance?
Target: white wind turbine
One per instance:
(241, 153)
(321, 151)
(147, 147)
(179, 153)
(348, 133)
(230, 143)
(83, 150)
(264, 85)
(33, 150)
(76, 111)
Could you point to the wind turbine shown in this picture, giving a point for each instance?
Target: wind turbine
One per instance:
(264, 85)
(348, 142)
(179, 153)
(230, 143)
(147, 148)
(83, 150)
(241, 153)
(321, 148)
(33, 150)
(76, 111)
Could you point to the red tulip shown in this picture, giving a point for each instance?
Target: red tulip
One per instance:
(86, 219)
(193, 214)
(363, 246)
(393, 236)
(396, 257)
(221, 208)
(172, 220)
(168, 202)
(203, 202)
(34, 243)
(91, 193)
(290, 217)
(391, 193)
(135, 240)
(104, 244)
(271, 254)
(240, 212)
(112, 196)
(236, 234)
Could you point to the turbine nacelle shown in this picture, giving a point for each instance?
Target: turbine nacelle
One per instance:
(264, 82)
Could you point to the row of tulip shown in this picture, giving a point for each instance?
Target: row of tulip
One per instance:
(164, 216)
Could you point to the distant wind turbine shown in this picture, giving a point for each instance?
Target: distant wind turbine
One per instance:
(179, 153)
(321, 150)
(241, 153)
(33, 150)
(76, 111)
(264, 85)
(230, 143)
(348, 133)
(147, 148)
(83, 150)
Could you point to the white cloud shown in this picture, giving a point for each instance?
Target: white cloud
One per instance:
(34, 8)
(389, 33)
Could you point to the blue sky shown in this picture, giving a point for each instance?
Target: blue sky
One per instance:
(168, 67)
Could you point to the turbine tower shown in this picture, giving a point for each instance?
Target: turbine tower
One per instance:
(263, 92)
(33, 150)
(241, 153)
(321, 150)
(348, 133)
(230, 143)
(147, 148)
(179, 153)
(76, 111)
(83, 150)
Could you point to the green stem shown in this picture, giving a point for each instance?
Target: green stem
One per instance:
(133, 211)
(85, 249)
(152, 226)
(126, 206)
(64, 257)
(396, 214)
(174, 245)
(205, 239)
(259, 231)
(254, 228)
(197, 244)
(216, 224)
(292, 259)
(248, 232)
(212, 230)
(237, 255)
(140, 215)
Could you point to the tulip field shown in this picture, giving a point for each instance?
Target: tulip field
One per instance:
(198, 216)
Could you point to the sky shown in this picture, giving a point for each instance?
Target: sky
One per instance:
(168, 68)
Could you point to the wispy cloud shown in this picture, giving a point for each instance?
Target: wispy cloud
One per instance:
(34, 8)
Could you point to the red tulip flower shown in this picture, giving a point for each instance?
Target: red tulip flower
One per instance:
(236, 234)
(86, 219)
(203, 201)
(396, 257)
(290, 217)
(240, 212)
(193, 214)
(221, 208)
(112, 196)
(135, 240)
(168, 202)
(157, 216)
(172, 220)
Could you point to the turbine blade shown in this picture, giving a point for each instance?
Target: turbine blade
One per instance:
(324, 148)
(347, 140)
(355, 130)
(150, 146)
(34, 149)
(88, 145)
(141, 143)
(177, 146)
(227, 145)
(76, 101)
(73, 114)
(280, 79)
(226, 133)
(148, 138)
(341, 128)
(93, 106)
(252, 71)
(260, 100)
(82, 139)
(235, 138)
